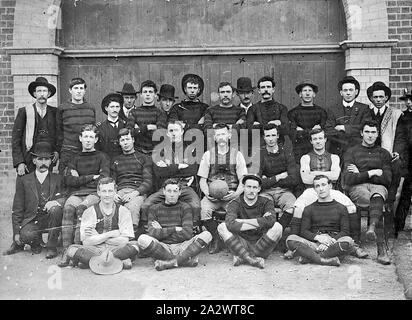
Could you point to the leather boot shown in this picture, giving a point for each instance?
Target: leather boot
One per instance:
(383, 257)
(14, 248)
(215, 245)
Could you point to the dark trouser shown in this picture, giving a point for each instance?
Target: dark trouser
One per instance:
(31, 232)
(66, 154)
(404, 204)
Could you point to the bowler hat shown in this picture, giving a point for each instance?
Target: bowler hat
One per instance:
(199, 79)
(244, 84)
(128, 89)
(253, 177)
(305, 83)
(106, 100)
(42, 149)
(167, 91)
(379, 85)
(106, 263)
(41, 81)
(406, 95)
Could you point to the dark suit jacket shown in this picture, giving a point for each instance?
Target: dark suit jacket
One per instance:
(108, 142)
(122, 115)
(18, 140)
(339, 141)
(26, 198)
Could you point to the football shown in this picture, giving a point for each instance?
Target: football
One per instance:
(218, 189)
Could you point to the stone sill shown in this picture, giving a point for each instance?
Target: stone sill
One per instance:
(368, 44)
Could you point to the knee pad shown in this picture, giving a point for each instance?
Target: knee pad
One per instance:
(144, 241)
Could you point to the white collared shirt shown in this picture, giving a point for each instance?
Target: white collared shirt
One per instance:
(381, 110)
(113, 121)
(126, 111)
(41, 176)
(246, 107)
(41, 111)
(348, 104)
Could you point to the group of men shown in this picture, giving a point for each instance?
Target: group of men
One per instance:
(139, 183)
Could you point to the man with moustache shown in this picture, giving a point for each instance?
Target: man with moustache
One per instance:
(34, 123)
(129, 98)
(170, 241)
(268, 111)
(112, 104)
(70, 117)
(147, 118)
(367, 173)
(250, 230)
(37, 205)
(304, 118)
(344, 121)
(190, 111)
(166, 98)
(244, 90)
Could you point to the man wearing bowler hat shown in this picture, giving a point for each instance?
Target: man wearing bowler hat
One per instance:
(112, 106)
(191, 110)
(305, 117)
(345, 119)
(166, 97)
(37, 205)
(129, 97)
(34, 123)
(244, 90)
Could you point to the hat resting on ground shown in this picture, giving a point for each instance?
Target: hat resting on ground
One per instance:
(41, 81)
(105, 101)
(167, 91)
(406, 95)
(106, 263)
(253, 177)
(378, 85)
(305, 83)
(191, 75)
(128, 89)
(42, 149)
(244, 84)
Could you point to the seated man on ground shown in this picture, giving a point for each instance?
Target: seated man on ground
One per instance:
(250, 230)
(324, 233)
(170, 228)
(106, 225)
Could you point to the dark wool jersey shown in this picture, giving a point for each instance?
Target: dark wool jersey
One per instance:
(218, 114)
(169, 217)
(133, 171)
(143, 116)
(325, 217)
(70, 118)
(239, 209)
(367, 158)
(272, 164)
(189, 112)
(87, 164)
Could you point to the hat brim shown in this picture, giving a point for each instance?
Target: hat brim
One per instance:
(32, 86)
(127, 93)
(406, 97)
(300, 86)
(97, 266)
(253, 177)
(167, 97)
(42, 155)
(201, 85)
(109, 96)
(245, 90)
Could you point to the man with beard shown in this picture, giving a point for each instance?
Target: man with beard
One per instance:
(107, 142)
(147, 118)
(268, 111)
(70, 117)
(129, 97)
(190, 111)
(34, 123)
(219, 163)
(250, 230)
(169, 239)
(367, 173)
(173, 164)
(344, 121)
(37, 205)
(304, 118)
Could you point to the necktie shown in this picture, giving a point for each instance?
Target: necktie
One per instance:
(113, 123)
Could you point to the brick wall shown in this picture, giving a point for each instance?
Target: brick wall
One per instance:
(400, 27)
(7, 175)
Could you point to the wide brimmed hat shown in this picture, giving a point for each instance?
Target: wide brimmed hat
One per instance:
(42, 149)
(244, 84)
(106, 99)
(106, 263)
(252, 176)
(128, 89)
(406, 95)
(379, 85)
(200, 80)
(305, 83)
(167, 91)
(41, 81)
